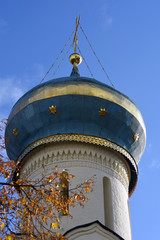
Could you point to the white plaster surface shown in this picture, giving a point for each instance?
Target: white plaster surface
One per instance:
(85, 160)
(92, 232)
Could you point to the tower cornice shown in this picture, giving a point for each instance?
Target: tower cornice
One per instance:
(77, 138)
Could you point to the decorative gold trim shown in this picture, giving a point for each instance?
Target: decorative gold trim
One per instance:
(75, 59)
(102, 112)
(15, 132)
(80, 88)
(136, 137)
(79, 138)
(73, 156)
(53, 110)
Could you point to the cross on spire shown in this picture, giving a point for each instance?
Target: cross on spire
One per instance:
(75, 39)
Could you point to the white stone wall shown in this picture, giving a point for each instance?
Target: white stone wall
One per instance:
(91, 232)
(85, 160)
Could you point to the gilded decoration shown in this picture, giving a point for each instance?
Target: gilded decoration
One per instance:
(15, 132)
(136, 137)
(81, 157)
(75, 59)
(79, 138)
(102, 112)
(81, 88)
(53, 109)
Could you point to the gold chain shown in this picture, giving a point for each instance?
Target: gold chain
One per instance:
(75, 40)
(96, 56)
(61, 62)
(57, 57)
(85, 62)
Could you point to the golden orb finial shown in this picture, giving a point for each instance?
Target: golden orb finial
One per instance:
(75, 59)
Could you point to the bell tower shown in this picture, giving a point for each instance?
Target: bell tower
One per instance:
(83, 125)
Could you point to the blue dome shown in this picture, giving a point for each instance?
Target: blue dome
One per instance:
(75, 106)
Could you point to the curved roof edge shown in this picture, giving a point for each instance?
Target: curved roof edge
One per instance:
(92, 224)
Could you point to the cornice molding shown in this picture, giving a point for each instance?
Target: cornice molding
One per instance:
(78, 155)
(79, 138)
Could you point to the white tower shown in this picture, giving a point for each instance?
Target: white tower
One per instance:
(93, 129)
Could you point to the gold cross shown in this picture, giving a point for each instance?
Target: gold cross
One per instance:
(75, 39)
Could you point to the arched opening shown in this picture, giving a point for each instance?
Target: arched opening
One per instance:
(108, 211)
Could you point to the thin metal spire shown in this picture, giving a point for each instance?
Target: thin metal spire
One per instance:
(75, 39)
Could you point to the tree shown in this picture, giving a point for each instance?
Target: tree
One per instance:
(32, 209)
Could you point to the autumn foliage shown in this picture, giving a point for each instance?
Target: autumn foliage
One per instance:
(33, 209)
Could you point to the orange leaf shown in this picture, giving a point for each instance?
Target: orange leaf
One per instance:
(23, 201)
(71, 176)
(87, 189)
(54, 225)
(2, 225)
(8, 238)
(10, 201)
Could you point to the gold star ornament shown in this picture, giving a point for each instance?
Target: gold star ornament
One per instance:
(136, 137)
(52, 109)
(15, 132)
(103, 112)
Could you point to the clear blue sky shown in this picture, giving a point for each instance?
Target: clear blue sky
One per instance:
(126, 37)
